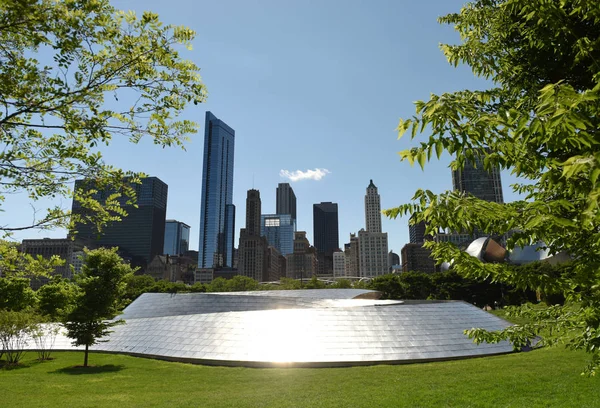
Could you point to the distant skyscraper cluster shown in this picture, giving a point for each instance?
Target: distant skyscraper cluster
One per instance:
(270, 246)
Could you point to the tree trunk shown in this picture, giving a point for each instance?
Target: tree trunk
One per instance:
(85, 359)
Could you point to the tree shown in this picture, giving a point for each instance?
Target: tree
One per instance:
(137, 285)
(389, 285)
(15, 329)
(15, 294)
(102, 283)
(541, 120)
(56, 299)
(108, 74)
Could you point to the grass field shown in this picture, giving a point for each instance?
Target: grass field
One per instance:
(542, 378)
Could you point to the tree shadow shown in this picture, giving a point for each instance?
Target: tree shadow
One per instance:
(9, 367)
(80, 370)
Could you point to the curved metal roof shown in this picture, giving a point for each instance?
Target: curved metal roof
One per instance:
(298, 328)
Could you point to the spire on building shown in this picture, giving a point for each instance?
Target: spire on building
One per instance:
(372, 209)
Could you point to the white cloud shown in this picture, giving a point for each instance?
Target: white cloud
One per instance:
(297, 175)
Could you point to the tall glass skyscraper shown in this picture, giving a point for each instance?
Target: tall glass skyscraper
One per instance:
(286, 200)
(279, 230)
(217, 213)
(177, 237)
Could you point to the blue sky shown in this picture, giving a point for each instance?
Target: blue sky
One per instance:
(305, 84)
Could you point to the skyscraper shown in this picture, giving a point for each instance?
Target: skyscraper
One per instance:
(217, 213)
(372, 209)
(253, 249)
(416, 233)
(372, 243)
(279, 230)
(302, 263)
(253, 209)
(285, 200)
(416, 258)
(325, 227)
(177, 238)
(140, 235)
(475, 180)
(326, 235)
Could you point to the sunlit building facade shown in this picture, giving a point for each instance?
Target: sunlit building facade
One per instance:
(279, 231)
(177, 238)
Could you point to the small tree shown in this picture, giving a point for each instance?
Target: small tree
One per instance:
(44, 335)
(102, 283)
(16, 328)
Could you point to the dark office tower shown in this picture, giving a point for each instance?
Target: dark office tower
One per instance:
(475, 180)
(140, 235)
(325, 227)
(326, 239)
(416, 233)
(253, 208)
(286, 200)
(217, 213)
(177, 238)
(253, 250)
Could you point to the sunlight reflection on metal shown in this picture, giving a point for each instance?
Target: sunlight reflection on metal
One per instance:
(298, 328)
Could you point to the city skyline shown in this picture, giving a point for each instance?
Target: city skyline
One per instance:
(311, 123)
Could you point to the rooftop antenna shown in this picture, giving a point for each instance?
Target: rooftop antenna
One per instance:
(252, 181)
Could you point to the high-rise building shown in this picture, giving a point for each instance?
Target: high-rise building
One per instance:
(372, 209)
(372, 243)
(70, 250)
(393, 259)
(279, 230)
(285, 200)
(475, 180)
(141, 234)
(217, 213)
(253, 210)
(325, 227)
(253, 250)
(351, 252)
(302, 263)
(339, 264)
(326, 235)
(416, 258)
(177, 238)
(373, 252)
(416, 233)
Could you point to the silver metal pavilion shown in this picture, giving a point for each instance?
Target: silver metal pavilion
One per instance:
(313, 328)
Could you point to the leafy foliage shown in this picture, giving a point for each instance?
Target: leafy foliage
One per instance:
(15, 329)
(57, 299)
(16, 295)
(14, 263)
(107, 73)
(540, 119)
(102, 283)
(44, 336)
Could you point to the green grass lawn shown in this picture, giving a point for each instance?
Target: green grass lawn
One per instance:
(542, 378)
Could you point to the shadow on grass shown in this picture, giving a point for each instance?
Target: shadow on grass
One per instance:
(80, 370)
(9, 367)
